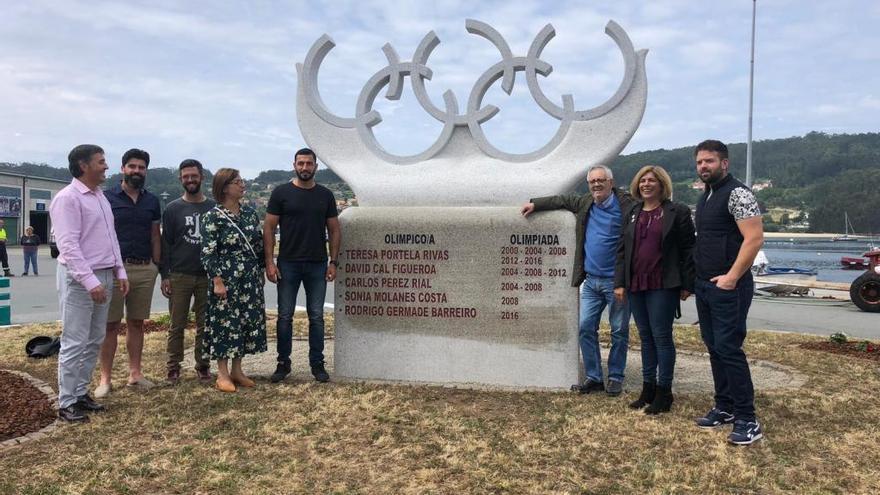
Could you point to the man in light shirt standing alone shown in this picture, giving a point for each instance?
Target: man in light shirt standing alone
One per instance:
(88, 262)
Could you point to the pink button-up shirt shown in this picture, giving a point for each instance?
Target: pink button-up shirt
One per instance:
(85, 234)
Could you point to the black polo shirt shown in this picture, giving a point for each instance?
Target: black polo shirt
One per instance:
(134, 221)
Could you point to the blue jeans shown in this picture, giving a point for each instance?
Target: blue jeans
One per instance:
(30, 259)
(654, 311)
(596, 293)
(311, 275)
(723, 328)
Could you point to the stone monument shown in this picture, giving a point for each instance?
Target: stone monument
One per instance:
(440, 279)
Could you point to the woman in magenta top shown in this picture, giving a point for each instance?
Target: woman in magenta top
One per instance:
(655, 269)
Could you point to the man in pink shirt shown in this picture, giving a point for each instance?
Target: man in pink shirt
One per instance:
(89, 260)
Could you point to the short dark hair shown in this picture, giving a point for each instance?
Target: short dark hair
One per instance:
(223, 177)
(136, 154)
(712, 145)
(81, 153)
(190, 162)
(306, 151)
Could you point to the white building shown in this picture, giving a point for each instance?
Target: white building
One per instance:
(24, 201)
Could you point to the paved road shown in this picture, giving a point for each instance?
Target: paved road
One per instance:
(34, 300)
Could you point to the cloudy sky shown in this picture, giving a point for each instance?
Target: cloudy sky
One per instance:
(215, 80)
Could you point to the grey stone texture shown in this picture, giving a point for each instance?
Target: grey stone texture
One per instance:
(462, 167)
(693, 375)
(457, 295)
(440, 280)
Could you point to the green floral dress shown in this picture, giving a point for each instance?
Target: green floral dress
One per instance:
(234, 326)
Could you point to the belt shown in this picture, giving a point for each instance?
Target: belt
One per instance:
(137, 261)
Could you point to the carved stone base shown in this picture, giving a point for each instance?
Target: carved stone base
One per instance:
(470, 296)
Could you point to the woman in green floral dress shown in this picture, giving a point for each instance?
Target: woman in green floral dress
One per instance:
(232, 254)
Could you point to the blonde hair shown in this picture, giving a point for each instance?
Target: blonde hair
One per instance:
(662, 177)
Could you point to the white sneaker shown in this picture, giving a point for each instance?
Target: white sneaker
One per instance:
(102, 390)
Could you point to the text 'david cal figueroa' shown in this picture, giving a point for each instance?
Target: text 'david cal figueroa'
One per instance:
(440, 279)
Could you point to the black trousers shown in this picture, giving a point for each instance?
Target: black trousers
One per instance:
(723, 328)
(4, 258)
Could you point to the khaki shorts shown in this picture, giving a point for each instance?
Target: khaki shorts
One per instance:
(141, 281)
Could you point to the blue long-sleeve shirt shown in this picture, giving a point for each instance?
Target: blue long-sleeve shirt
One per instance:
(603, 234)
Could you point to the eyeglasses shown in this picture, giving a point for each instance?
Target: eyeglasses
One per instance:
(597, 181)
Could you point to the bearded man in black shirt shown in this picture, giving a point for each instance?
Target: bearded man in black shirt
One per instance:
(306, 212)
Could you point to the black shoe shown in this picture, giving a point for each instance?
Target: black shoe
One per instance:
(204, 373)
(589, 386)
(662, 400)
(715, 418)
(281, 371)
(615, 388)
(87, 404)
(646, 397)
(320, 373)
(24, 274)
(173, 376)
(73, 414)
(745, 432)
(9, 274)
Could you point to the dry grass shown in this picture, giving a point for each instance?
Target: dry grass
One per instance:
(356, 438)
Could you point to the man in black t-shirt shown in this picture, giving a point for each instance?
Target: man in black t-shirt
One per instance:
(306, 212)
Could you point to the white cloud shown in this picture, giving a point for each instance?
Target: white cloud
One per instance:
(216, 80)
(870, 102)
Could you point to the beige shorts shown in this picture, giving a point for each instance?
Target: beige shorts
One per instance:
(141, 281)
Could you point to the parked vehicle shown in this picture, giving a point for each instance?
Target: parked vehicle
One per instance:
(865, 290)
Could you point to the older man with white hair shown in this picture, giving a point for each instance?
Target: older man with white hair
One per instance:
(599, 217)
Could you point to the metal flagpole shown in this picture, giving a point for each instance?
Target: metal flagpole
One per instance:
(751, 99)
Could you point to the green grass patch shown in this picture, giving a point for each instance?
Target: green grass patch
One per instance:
(365, 438)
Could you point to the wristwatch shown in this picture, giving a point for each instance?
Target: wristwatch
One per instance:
(334, 263)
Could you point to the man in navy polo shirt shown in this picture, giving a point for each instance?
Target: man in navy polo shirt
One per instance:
(137, 214)
(729, 235)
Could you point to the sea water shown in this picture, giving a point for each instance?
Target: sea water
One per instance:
(819, 254)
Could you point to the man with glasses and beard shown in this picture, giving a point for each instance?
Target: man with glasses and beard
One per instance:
(136, 214)
(184, 280)
(599, 218)
(306, 212)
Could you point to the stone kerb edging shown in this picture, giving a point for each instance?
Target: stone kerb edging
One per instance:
(51, 396)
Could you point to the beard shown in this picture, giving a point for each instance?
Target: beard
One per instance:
(304, 175)
(712, 177)
(192, 187)
(135, 180)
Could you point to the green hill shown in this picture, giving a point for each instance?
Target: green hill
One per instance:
(822, 174)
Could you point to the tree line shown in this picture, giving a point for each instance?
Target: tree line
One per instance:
(822, 174)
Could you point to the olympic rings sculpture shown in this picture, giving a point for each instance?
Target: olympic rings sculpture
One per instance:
(475, 113)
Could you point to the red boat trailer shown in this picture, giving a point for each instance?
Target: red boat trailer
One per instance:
(850, 263)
